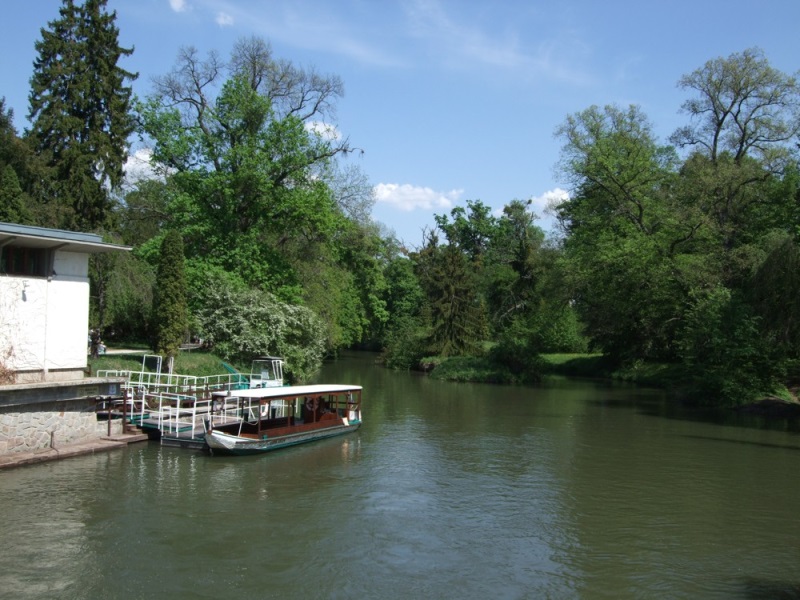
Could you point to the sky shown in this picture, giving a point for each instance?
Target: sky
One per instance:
(450, 100)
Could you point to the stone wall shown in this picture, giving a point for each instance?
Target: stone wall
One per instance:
(51, 415)
(51, 425)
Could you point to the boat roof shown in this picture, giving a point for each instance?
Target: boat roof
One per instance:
(267, 393)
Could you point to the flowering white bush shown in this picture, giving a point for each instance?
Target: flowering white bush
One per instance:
(243, 324)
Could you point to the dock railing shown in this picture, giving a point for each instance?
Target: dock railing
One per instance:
(178, 402)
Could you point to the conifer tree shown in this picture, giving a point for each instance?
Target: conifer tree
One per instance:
(16, 168)
(80, 109)
(170, 319)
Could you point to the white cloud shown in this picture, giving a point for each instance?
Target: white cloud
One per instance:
(140, 167)
(408, 197)
(323, 130)
(549, 201)
(178, 5)
(224, 19)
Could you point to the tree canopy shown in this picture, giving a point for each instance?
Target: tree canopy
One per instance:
(80, 111)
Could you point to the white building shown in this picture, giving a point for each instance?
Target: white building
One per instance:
(44, 302)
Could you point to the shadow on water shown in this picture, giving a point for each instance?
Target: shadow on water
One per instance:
(760, 589)
(727, 417)
(661, 406)
(745, 442)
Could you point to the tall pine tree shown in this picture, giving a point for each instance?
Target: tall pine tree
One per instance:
(80, 110)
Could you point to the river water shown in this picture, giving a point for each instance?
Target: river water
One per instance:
(565, 490)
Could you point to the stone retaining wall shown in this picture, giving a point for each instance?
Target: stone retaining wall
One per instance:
(41, 416)
(50, 425)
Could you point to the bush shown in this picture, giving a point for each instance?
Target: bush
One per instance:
(517, 353)
(405, 346)
(558, 329)
(472, 369)
(727, 358)
(242, 324)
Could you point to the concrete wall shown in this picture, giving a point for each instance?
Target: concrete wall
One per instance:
(44, 322)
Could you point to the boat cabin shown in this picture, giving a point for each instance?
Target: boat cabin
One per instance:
(273, 412)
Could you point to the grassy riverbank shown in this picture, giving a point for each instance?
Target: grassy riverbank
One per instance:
(670, 377)
(199, 363)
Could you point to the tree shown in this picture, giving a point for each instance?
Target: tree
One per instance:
(244, 177)
(79, 110)
(744, 108)
(470, 231)
(513, 263)
(122, 286)
(744, 119)
(17, 168)
(774, 292)
(254, 184)
(12, 198)
(170, 317)
(457, 312)
(624, 230)
(406, 327)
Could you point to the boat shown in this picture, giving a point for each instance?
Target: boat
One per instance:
(174, 408)
(270, 418)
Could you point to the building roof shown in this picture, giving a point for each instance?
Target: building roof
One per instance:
(54, 239)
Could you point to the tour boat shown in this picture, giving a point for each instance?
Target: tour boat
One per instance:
(270, 418)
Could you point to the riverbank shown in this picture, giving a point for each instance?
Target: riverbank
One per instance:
(670, 377)
(103, 444)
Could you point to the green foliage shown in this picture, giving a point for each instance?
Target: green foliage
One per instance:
(516, 352)
(79, 110)
(12, 199)
(405, 344)
(457, 312)
(723, 349)
(128, 296)
(472, 231)
(244, 323)
(244, 179)
(21, 177)
(170, 317)
(470, 369)
(144, 214)
(558, 329)
(774, 291)
(742, 107)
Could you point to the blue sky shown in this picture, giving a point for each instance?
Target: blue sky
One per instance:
(451, 100)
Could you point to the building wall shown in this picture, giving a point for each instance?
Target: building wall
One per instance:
(44, 322)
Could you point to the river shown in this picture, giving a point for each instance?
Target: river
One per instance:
(571, 489)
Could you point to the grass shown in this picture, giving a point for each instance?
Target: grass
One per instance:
(651, 374)
(575, 365)
(469, 369)
(595, 366)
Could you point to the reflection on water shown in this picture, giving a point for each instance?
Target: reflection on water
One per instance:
(571, 489)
